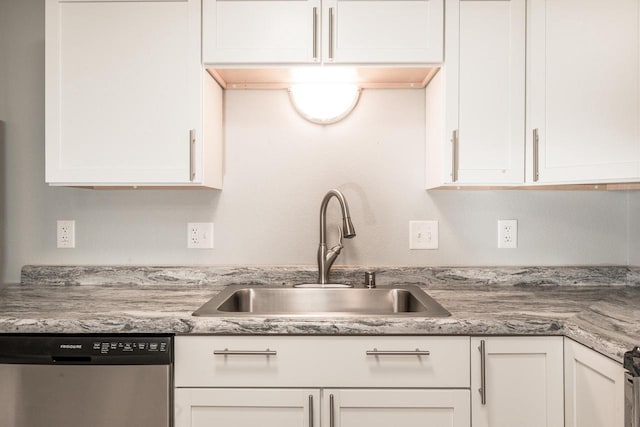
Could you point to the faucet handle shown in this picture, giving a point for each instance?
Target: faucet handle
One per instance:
(334, 251)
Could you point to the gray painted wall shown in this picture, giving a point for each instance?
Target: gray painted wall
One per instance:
(633, 237)
(277, 169)
(3, 115)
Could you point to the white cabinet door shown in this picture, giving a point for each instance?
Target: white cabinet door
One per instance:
(389, 407)
(261, 31)
(198, 407)
(523, 382)
(584, 90)
(594, 388)
(485, 90)
(328, 361)
(308, 31)
(475, 105)
(382, 31)
(124, 88)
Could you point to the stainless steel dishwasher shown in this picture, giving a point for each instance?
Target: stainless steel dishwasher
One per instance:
(83, 381)
(632, 388)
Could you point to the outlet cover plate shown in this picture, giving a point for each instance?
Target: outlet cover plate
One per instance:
(200, 235)
(423, 234)
(66, 234)
(507, 233)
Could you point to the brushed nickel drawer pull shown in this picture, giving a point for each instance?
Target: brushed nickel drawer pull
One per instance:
(192, 155)
(331, 411)
(227, 352)
(311, 410)
(536, 159)
(331, 35)
(315, 33)
(416, 352)
(483, 373)
(454, 156)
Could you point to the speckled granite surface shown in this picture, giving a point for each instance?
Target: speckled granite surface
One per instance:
(597, 306)
(259, 275)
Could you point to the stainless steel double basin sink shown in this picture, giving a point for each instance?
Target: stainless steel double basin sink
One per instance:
(283, 301)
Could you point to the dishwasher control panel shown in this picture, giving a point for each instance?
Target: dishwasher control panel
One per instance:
(130, 346)
(86, 349)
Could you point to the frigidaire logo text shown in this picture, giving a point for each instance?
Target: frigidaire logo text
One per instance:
(71, 346)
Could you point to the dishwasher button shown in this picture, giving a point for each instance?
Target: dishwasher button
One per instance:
(153, 346)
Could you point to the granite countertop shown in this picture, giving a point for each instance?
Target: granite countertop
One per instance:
(603, 317)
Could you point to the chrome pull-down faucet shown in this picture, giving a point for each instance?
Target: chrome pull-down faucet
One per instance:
(326, 257)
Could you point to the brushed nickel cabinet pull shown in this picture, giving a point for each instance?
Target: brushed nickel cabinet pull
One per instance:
(416, 352)
(536, 164)
(192, 155)
(315, 33)
(227, 352)
(310, 410)
(331, 411)
(331, 31)
(483, 374)
(454, 156)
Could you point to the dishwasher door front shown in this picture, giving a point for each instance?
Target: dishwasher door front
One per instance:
(631, 400)
(85, 395)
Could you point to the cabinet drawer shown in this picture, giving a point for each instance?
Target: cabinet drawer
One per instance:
(306, 361)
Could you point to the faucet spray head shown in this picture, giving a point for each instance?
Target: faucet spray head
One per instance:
(348, 229)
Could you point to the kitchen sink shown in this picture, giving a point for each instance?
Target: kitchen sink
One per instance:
(239, 300)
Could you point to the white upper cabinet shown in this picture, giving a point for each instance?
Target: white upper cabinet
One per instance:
(126, 95)
(476, 104)
(261, 31)
(308, 31)
(583, 82)
(382, 31)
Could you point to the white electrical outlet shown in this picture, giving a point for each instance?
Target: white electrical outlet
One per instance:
(423, 234)
(508, 233)
(200, 235)
(66, 234)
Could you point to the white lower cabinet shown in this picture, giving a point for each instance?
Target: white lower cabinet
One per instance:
(594, 388)
(281, 407)
(247, 407)
(380, 381)
(309, 381)
(520, 379)
(406, 408)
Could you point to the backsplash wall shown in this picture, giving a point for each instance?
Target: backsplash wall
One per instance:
(278, 167)
(634, 228)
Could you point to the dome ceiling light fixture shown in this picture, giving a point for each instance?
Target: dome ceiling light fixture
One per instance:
(324, 95)
(324, 103)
